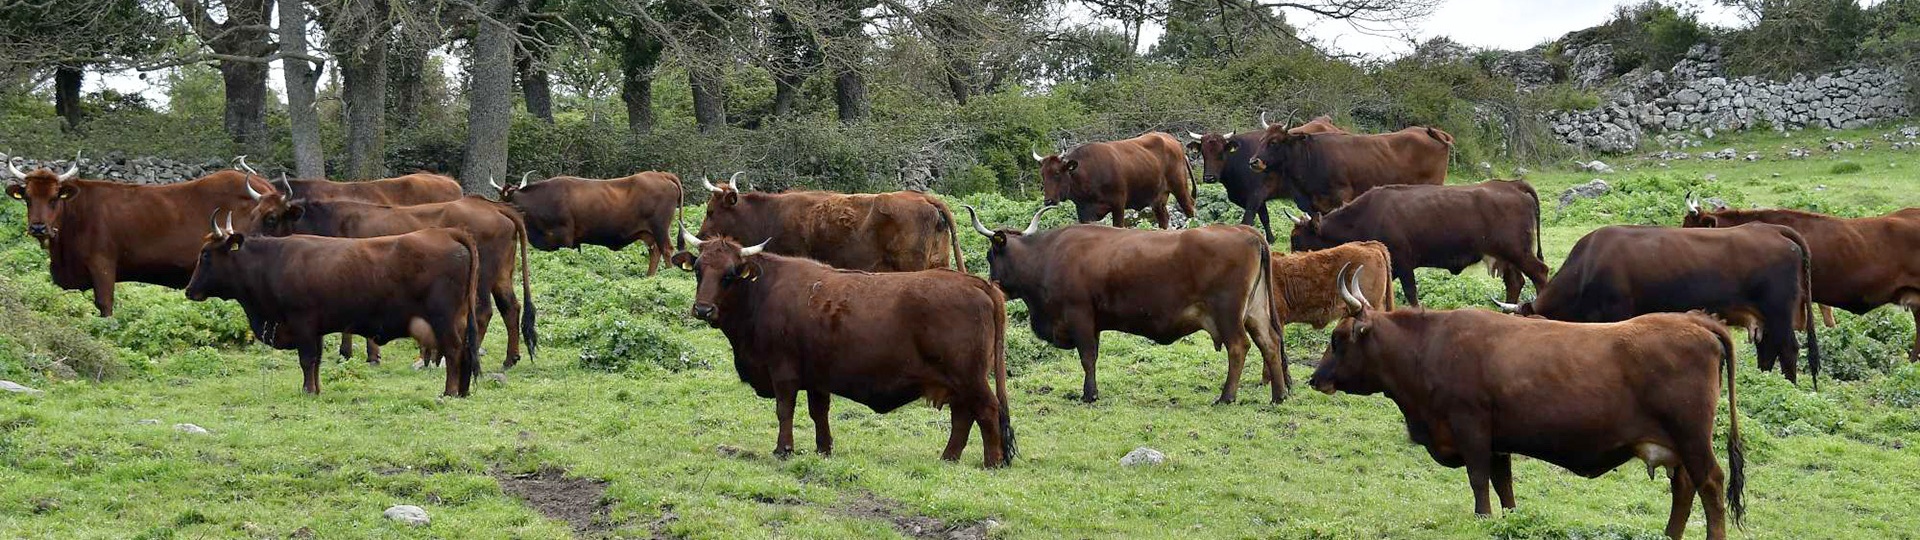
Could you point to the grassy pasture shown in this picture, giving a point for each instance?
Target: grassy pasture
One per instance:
(629, 391)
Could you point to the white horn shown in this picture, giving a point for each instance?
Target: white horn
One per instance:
(1228, 135)
(1353, 285)
(242, 160)
(523, 178)
(1037, 156)
(735, 180)
(214, 220)
(496, 185)
(73, 169)
(1195, 136)
(15, 169)
(251, 193)
(1346, 294)
(1263, 120)
(689, 238)
(288, 184)
(755, 250)
(977, 227)
(710, 186)
(229, 223)
(1505, 307)
(1034, 226)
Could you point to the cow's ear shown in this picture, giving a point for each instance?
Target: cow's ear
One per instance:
(1072, 164)
(749, 271)
(1233, 146)
(1193, 146)
(234, 241)
(17, 191)
(683, 261)
(998, 238)
(731, 198)
(294, 211)
(67, 191)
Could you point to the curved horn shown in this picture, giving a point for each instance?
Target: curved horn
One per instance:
(1195, 136)
(1037, 156)
(710, 186)
(1504, 307)
(977, 227)
(496, 185)
(252, 193)
(229, 223)
(1693, 205)
(1295, 218)
(1228, 135)
(1353, 286)
(288, 184)
(72, 169)
(1346, 294)
(1263, 120)
(755, 250)
(523, 179)
(689, 238)
(1034, 226)
(242, 161)
(214, 220)
(735, 182)
(15, 169)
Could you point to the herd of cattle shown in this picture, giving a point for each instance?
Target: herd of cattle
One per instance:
(851, 294)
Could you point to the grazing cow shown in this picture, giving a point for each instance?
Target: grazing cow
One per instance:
(297, 289)
(1858, 264)
(1223, 160)
(1478, 387)
(1113, 177)
(100, 233)
(1161, 285)
(496, 229)
(880, 339)
(1326, 170)
(570, 212)
(902, 231)
(1756, 275)
(1450, 227)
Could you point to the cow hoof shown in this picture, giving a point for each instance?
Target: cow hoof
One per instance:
(512, 360)
(1224, 401)
(782, 453)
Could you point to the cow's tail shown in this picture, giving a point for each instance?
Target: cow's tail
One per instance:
(470, 350)
(953, 236)
(1189, 190)
(1736, 451)
(1007, 446)
(1386, 258)
(1539, 245)
(1275, 322)
(527, 316)
(1806, 294)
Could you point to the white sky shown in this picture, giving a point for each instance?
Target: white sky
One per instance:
(1499, 24)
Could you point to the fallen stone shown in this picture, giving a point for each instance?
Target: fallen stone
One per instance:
(1143, 456)
(409, 514)
(1590, 190)
(17, 388)
(1596, 166)
(190, 428)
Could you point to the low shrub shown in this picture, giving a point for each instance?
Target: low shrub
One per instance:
(622, 344)
(1846, 167)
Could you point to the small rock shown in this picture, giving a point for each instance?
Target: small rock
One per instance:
(1776, 175)
(1589, 190)
(1821, 187)
(498, 377)
(1143, 456)
(147, 422)
(1711, 177)
(190, 428)
(1486, 166)
(1596, 166)
(1708, 133)
(15, 387)
(1521, 171)
(408, 514)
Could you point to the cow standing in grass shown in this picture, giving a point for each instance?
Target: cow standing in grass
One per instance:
(1103, 178)
(902, 231)
(1478, 387)
(1447, 227)
(1326, 169)
(570, 212)
(880, 339)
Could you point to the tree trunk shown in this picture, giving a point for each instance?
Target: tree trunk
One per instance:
(957, 76)
(246, 112)
(407, 87)
(850, 94)
(489, 96)
(639, 55)
(309, 159)
(66, 94)
(709, 96)
(536, 88)
(785, 89)
(364, 96)
(636, 90)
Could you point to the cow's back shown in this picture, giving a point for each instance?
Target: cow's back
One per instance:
(1305, 283)
(1147, 282)
(150, 234)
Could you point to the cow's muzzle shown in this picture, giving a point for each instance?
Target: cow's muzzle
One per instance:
(1209, 178)
(1324, 386)
(39, 230)
(704, 311)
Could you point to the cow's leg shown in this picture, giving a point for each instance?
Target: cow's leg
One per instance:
(654, 254)
(1683, 489)
(1160, 216)
(1510, 276)
(309, 348)
(1266, 221)
(1697, 461)
(1778, 341)
(1826, 314)
(990, 436)
(1408, 284)
(103, 281)
(346, 346)
(1236, 361)
(1475, 447)
(819, 403)
(1088, 342)
(509, 306)
(963, 417)
(1913, 354)
(1503, 479)
(1273, 357)
(1120, 218)
(784, 394)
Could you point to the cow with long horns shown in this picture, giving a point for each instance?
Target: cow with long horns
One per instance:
(1758, 276)
(572, 212)
(901, 231)
(1478, 387)
(299, 288)
(1080, 280)
(271, 206)
(1326, 170)
(1223, 159)
(1447, 227)
(880, 339)
(1859, 264)
(1110, 178)
(100, 233)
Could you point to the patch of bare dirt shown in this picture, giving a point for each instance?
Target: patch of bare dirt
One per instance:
(580, 502)
(870, 506)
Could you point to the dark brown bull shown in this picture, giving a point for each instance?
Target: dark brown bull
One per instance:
(902, 231)
(880, 339)
(100, 233)
(1326, 170)
(1755, 275)
(496, 229)
(1858, 264)
(1113, 177)
(1478, 387)
(1450, 227)
(1223, 159)
(297, 289)
(1161, 285)
(570, 212)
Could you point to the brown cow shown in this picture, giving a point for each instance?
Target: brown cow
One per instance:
(100, 233)
(1113, 177)
(1477, 387)
(902, 231)
(1326, 170)
(1161, 285)
(570, 212)
(416, 188)
(1223, 159)
(1858, 264)
(881, 339)
(496, 229)
(1448, 227)
(1304, 290)
(297, 289)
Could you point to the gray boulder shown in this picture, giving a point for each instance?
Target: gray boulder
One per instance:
(1143, 456)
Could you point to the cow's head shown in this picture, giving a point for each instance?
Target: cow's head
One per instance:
(275, 211)
(1277, 144)
(1353, 349)
(723, 206)
(1056, 174)
(723, 270)
(1697, 217)
(46, 195)
(1306, 233)
(507, 191)
(1000, 249)
(1214, 149)
(219, 265)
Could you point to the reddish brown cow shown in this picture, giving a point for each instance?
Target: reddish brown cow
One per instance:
(1858, 264)
(100, 233)
(1104, 178)
(1328, 169)
(902, 231)
(881, 339)
(570, 212)
(1161, 285)
(1448, 227)
(1304, 289)
(416, 188)
(496, 229)
(297, 289)
(1478, 387)
(1223, 159)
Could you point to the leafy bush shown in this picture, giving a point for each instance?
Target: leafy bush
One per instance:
(1645, 198)
(1864, 346)
(1900, 389)
(1846, 167)
(34, 344)
(622, 344)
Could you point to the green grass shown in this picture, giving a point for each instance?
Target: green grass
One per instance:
(76, 462)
